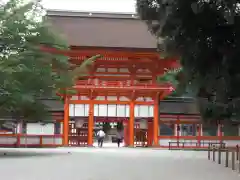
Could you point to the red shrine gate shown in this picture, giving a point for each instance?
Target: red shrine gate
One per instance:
(118, 78)
(126, 72)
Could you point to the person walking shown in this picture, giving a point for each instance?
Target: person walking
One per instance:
(100, 136)
(119, 138)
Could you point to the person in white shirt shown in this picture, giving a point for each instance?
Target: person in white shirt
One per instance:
(100, 136)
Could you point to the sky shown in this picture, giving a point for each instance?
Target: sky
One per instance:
(118, 6)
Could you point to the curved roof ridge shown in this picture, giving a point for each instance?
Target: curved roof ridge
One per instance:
(81, 11)
(102, 30)
(77, 13)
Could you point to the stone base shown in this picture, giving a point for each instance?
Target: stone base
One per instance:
(90, 146)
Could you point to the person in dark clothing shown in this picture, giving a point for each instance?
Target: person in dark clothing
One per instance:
(119, 138)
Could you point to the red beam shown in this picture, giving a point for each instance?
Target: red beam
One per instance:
(115, 78)
(127, 63)
(125, 73)
(109, 87)
(102, 61)
(108, 53)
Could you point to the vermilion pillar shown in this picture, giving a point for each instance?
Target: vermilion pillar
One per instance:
(150, 133)
(219, 131)
(126, 131)
(66, 122)
(199, 128)
(90, 124)
(156, 121)
(131, 125)
(178, 130)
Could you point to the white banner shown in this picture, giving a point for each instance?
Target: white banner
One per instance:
(79, 123)
(143, 124)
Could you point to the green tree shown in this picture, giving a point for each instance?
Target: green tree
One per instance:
(205, 35)
(106, 127)
(173, 77)
(27, 73)
(120, 126)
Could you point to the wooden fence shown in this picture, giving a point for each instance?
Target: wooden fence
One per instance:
(228, 156)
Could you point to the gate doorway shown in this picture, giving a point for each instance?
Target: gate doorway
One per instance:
(111, 126)
(78, 131)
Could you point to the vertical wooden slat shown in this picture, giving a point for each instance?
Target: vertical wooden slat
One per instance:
(219, 156)
(227, 157)
(233, 160)
(214, 150)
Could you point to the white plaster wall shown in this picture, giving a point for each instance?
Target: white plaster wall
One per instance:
(111, 110)
(51, 140)
(34, 129)
(40, 129)
(232, 142)
(8, 140)
(29, 140)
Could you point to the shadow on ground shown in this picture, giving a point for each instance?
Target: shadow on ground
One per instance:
(15, 155)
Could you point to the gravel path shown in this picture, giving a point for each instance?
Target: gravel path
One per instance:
(110, 164)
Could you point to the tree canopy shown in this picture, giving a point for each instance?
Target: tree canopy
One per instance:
(205, 35)
(26, 72)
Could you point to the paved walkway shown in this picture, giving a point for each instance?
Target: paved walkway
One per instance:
(110, 164)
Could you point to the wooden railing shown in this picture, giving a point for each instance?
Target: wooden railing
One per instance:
(229, 156)
(201, 137)
(196, 142)
(25, 140)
